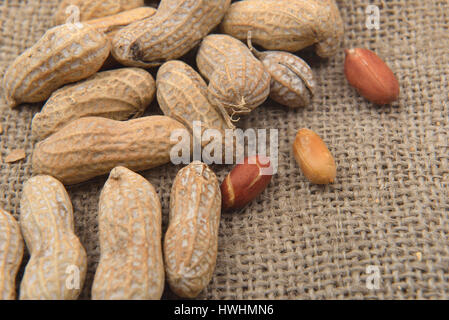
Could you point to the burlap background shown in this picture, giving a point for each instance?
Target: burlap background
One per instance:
(388, 208)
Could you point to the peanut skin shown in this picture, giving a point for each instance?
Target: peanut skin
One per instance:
(237, 80)
(371, 76)
(93, 146)
(287, 25)
(46, 220)
(65, 54)
(117, 94)
(91, 9)
(131, 265)
(11, 253)
(190, 244)
(314, 158)
(176, 28)
(245, 182)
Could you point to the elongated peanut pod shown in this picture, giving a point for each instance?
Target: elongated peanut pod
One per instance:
(11, 253)
(177, 27)
(65, 54)
(117, 94)
(287, 25)
(91, 9)
(93, 146)
(190, 244)
(131, 265)
(57, 266)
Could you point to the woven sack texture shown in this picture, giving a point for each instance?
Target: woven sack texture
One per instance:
(388, 208)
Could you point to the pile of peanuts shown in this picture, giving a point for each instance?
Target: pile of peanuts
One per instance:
(91, 125)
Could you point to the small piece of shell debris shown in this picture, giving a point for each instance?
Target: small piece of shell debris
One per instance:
(1, 129)
(15, 155)
(419, 256)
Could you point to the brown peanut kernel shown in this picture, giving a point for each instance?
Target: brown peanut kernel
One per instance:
(245, 182)
(138, 144)
(314, 158)
(110, 25)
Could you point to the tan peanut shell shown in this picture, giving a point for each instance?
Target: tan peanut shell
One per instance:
(58, 262)
(177, 27)
(93, 146)
(110, 25)
(190, 244)
(131, 265)
(11, 253)
(292, 80)
(65, 54)
(237, 80)
(182, 95)
(117, 94)
(91, 9)
(287, 25)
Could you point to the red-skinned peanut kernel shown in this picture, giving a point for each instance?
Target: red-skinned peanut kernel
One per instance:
(371, 76)
(245, 182)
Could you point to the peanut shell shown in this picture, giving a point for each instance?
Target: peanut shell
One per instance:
(46, 220)
(237, 80)
(117, 94)
(93, 146)
(110, 25)
(11, 253)
(292, 80)
(287, 25)
(176, 28)
(182, 95)
(91, 9)
(131, 265)
(191, 241)
(65, 54)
